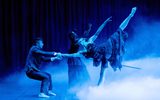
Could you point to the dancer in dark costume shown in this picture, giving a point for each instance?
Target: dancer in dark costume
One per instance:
(33, 62)
(77, 71)
(110, 51)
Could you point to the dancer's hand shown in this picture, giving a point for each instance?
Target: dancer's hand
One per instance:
(54, 53)
(54, 58)
(133, 11)
(89, 25)
(59, 56)
(109, 19)
(57, 53)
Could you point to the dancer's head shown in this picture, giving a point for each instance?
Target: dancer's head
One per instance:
(87, 30)
(73, 36)
(38, 42)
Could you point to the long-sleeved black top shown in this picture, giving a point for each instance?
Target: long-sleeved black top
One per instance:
(35, 57)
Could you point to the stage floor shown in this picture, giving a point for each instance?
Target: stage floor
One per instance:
(20, 87)
(116, 85)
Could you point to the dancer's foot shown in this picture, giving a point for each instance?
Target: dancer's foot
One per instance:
(43, 95)
(51, 93)
(133, 11)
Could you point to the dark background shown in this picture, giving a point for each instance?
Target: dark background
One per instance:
(23, 20)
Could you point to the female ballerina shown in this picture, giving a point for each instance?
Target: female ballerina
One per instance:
(77, 72)
(111, 51)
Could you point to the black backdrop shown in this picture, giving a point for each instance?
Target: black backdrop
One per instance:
(22, 20)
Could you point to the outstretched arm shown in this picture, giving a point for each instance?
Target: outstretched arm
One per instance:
(126, 21)
(78, 54)
(86, 32)
(44, 53)
(71, 55)
(94, 37)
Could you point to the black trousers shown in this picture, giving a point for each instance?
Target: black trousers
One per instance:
(46, 79)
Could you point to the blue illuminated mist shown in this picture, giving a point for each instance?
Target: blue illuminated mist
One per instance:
(145, 39)
(143, 51)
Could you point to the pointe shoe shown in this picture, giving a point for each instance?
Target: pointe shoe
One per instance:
(51, 93)
(42, 95)
(133, 11)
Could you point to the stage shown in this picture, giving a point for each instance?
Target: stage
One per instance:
(127, 84)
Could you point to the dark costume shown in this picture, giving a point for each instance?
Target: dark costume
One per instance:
(33, 62)
(77, 72)
(112, 50)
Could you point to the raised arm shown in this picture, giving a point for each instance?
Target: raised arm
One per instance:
(86, 32)
(94, 37)
(126, 21)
